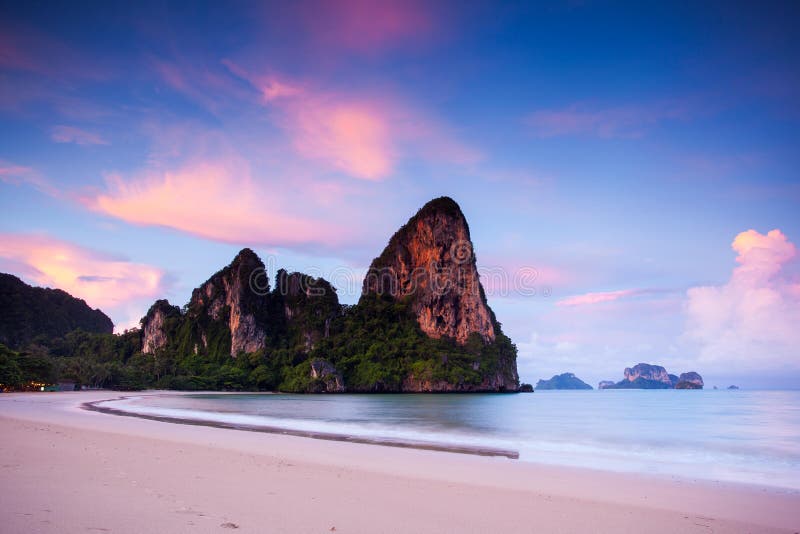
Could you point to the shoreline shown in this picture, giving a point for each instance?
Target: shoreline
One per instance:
(144, 475)
(310, 434)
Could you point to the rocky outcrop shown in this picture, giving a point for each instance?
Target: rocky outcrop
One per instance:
(525, 388)
(645, 371)
(430, 261)
(674, 379)
(430, 266)
(690, 380)
(606, 384)
(234, 297)
(646, 376)
(422, 324)
(155, 327)
(495, 382)
(308, 305)
(563, 381)
(325, 378)
(732, 387)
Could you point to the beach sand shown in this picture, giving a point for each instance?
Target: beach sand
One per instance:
(65, 469)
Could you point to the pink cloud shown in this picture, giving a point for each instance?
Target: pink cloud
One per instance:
(11, 173)
(118, 287)
(273, 89)
(363, 136)
(219, 200)
(208, 84)
(624, 121)
(353, 137)
(598, 297)
(71, 134)
(761, 256)
(750, 321)
(508, 277)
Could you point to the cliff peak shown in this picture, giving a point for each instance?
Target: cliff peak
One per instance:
(246, 255)
(444, 205)
(430, 262)
(234, 297)
(155, 331)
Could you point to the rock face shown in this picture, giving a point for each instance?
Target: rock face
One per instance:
(606, 384)
(234, 297)
(500, 381)
(674, 379)
(645, 371)
(422, 324)
(430, 261)
(563, 381)
(646, 376)
(430, 265)
(326, 379)
(690, 380)
(28, 312)
(308, 304)
(155, 330)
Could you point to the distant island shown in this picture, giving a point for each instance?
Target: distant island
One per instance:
(563, 381)
(422, 324)
(647, 376)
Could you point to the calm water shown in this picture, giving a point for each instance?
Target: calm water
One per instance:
(745, 436)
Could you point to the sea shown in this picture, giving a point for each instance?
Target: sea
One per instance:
(734, 436)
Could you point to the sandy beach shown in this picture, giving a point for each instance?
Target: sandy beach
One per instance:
(65, 469)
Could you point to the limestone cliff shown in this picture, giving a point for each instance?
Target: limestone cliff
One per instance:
(325, 378)
(422, 324)
(234, 297)
(155, 328)
(646, 376)
(690, 380)
(430, 260)
(429, 265)
(308, 306)
(645, 371)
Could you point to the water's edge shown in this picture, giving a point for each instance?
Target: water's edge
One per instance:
(94, 406)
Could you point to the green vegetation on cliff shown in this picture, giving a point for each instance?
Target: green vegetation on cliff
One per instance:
(29, 313)
(431, 331)
(374, 345)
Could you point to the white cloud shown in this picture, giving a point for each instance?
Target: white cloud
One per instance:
(751, 322)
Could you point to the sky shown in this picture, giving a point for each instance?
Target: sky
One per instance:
(629, 171)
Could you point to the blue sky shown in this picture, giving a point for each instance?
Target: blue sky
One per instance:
(618, 149)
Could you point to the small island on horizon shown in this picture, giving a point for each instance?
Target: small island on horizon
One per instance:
(563, 381)
(647, 376)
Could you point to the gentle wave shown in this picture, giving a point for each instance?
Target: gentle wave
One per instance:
(744, 437)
